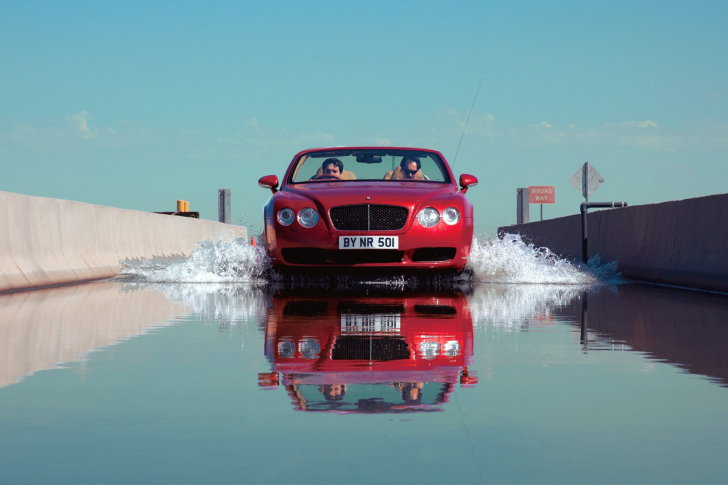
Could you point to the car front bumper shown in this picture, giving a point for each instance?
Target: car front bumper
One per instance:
(445, 248)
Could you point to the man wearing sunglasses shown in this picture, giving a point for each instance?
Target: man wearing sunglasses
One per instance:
(409, 169)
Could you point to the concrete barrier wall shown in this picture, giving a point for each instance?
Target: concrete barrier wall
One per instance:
(681, 243)
(47, 242)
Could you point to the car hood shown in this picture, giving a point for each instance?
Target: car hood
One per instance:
(409, 194)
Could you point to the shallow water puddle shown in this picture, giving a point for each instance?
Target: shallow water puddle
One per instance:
(120, 381)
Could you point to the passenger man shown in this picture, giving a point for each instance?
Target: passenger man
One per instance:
(412, 392)
(407, 170)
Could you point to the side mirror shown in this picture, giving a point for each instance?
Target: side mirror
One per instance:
(467, 180)
(271, 182)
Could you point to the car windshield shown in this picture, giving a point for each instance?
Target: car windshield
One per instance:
(368, 165)
(382, 397)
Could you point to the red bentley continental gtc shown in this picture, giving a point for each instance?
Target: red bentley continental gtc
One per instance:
(364, 207)
(377, 352)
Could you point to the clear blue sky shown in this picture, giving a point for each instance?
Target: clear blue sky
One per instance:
(136, 104)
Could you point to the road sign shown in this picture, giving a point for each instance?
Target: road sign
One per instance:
(586, 184)
(541, 194)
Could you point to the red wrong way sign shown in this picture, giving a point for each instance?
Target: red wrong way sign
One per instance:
(541, 194)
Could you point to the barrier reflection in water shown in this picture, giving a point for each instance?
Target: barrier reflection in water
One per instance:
(688, 329)
(42, 329)
(368, 352)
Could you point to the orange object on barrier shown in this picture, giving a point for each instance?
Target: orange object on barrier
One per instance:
(187, 207)
(252, 241)
(180, 205)
(270, 379)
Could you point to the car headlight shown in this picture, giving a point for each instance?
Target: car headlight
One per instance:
(429, 349)
(309, 348)
(286, 217)
(428, 217)
(308, 217)
(452, 348)
(286, 349)
(451, 216)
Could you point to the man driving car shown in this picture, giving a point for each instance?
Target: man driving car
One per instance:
(332, 167)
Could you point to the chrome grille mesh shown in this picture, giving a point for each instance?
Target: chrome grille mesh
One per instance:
(370, 348)
(368, 217)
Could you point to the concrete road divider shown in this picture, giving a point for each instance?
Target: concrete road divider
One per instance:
(45, 242)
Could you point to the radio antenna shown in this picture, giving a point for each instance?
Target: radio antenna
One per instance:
(466, 124)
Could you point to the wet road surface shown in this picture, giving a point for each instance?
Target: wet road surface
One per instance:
(114, 382)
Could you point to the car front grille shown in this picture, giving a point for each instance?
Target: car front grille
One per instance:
(435, 310)
(370, 348)
(305, 308)
(316, 256)
(368, 217)
(433, 255)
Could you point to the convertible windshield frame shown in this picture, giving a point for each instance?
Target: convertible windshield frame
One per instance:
(322, 155)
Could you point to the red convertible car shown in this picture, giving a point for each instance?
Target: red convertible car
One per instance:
(363, 207)
(368, 352)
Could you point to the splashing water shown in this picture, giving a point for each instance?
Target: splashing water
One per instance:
(232, 261)
(507, 260)
(228, 304)
(513, 308)
(510, 260)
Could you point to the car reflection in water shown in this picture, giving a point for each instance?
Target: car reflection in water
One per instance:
(364, 353)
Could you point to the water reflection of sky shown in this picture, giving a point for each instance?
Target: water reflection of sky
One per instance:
(184, 382)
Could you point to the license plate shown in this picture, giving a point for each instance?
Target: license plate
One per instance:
(368, 242)
(383, 322)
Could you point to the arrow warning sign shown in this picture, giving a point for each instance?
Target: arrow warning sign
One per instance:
(593, 180)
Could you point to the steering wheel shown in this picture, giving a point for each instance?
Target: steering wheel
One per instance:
(327, 176)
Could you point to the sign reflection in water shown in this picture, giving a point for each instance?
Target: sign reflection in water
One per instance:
(360, 353)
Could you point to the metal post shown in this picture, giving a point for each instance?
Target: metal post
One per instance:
(584, 330)
(585, 182)
(542, 212)
(584, 209)
(522, 206)
(223, 206)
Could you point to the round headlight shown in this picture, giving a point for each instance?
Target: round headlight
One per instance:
(429, 349)
(308, 217)
(451, 216)
(428, 217)
(286, 217)
(452, 348)
(309, 348)
(286, 349)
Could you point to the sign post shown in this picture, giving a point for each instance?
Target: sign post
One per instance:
(522, 206)
(223, 206)
(541, 194)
